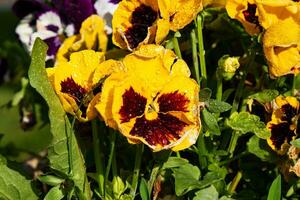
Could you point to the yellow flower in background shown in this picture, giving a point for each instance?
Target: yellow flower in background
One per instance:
(283, 125)
(138, 22)
(281, 45)
(152, 100)
(244, 11)
(74, 84)
(272, 11)
(92, 36)
(258, 14)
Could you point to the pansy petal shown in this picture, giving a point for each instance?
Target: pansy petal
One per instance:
(180, 97)
(93, 34)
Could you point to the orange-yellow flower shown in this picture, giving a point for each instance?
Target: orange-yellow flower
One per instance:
(283, 125)
(281, 44)
(246, 12)
(138, 22)
(152, 100)
(74, 84)
(92, 36)
(258, 14)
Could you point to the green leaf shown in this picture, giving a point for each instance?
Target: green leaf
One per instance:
(204, 94)
(265, 96)
(216, 106)
(58, 153)
(186, 178)
(55, 193)
(51, 180)
(275, 189)
(118, 187)
(14, 186)
(261, 149)
(144, 190)
(296, 143)
(245, 122)
(20, 95)
(210, 122)
(209, 193)
(173, 162)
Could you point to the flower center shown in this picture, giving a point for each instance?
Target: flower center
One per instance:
(142, 18)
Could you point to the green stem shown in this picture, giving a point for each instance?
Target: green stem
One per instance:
(232, 143)
(114, 166)
(111, 155)
(136, 171)
(237, 99)
(70, 142)
(201, 48)
(99, 157)
(201, 142)
(235, 182)
(176, 47)
(219, 89)
(202, 152)
(195, 57)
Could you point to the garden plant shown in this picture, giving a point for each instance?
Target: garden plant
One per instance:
(150, 99)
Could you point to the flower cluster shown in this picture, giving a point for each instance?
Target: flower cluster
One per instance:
(280, 23)
(56, 20)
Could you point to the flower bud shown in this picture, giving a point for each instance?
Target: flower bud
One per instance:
(227, 66)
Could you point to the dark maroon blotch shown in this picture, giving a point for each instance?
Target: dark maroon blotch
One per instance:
(280, 133)
(142, 18)
(249, 14)
(173, 102)
(289, 112)
(135, 35)
(69, 86)
(134, 105)
(163, 130)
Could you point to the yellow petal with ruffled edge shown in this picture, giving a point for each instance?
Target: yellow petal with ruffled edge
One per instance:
(77, 73)
(92, 36)
(182, 87)
(235, 9)
(281, 47)
(114, 70)
(179, 12)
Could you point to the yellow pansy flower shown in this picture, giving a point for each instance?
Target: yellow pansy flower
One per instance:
(281, 45)
(154, 100)
(283, 125)
(74, 84)
(91, 36)
(246, 12)
(138, 22)
(258, 14)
